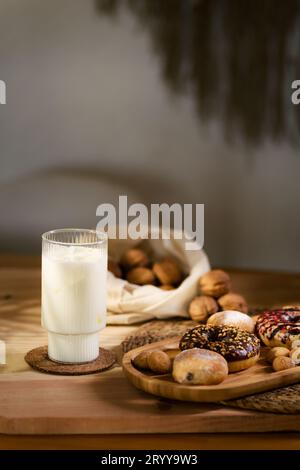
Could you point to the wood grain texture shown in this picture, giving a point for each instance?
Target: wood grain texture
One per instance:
(37, 404)
(195, 441)
(258, 378)
(110, 405)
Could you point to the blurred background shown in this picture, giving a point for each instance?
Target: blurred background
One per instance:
(167, 101)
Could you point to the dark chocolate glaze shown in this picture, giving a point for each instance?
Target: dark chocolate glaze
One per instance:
(233, 344)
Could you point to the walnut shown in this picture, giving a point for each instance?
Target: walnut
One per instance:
(167, 271)
(141, 360)
(133, 258)
(114, 268)
(233, 301)
(282, 363)
(140, 276)
(159, 362)
(276, 352)
(215, 283)
(201, 307)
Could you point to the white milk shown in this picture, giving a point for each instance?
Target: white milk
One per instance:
(73, 301)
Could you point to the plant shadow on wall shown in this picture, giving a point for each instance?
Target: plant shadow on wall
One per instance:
(236, 58)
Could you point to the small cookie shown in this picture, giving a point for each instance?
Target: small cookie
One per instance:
(159, 362)
(276, 352)
(295, 344)
(282, 363)
(141, 360)
(295, 355)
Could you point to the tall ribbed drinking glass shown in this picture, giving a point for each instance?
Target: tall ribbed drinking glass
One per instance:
(74, 269)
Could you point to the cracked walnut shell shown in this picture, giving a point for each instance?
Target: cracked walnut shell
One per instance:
(215, 283)
(140, 276)
(133, 258)
(167, 272)
(159, 362)
(201, 307)
(233, 301)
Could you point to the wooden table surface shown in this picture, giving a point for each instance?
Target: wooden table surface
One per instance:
(43, 411)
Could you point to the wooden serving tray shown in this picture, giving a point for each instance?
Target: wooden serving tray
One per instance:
(259, 378)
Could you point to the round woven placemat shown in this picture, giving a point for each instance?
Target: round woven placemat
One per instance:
(282, 400)
(38, 359)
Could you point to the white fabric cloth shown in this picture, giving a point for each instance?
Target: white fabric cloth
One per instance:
(128, 303)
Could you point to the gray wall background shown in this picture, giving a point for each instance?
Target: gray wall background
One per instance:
(89, 116)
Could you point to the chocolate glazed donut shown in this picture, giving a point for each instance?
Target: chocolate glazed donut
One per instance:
(279, 327)
(239, 348)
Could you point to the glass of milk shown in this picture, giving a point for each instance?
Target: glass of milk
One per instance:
(74, 269)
